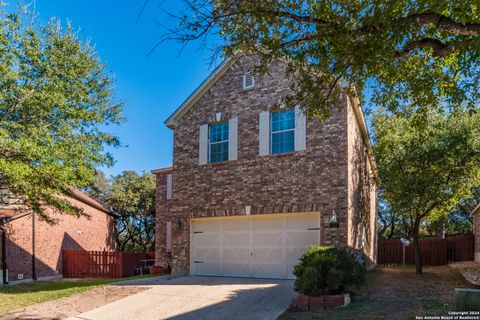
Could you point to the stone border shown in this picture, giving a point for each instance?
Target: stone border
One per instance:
(319, 303)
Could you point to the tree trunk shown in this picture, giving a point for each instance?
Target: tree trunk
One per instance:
(392, 228)
(418, 250)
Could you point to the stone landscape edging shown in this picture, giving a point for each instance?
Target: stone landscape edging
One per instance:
(319, 303)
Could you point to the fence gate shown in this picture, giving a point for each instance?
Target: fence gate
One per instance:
(101, 264)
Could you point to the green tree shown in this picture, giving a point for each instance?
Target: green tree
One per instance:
(132, 197)
(426, 170)
(56, 101)
(459, 220)
(416, 53)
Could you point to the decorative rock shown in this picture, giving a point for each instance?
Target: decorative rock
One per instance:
(302, 302)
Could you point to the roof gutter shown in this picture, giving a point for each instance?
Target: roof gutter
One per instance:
(172, 121)
(92, 204)
(162, 170)
(358, 113)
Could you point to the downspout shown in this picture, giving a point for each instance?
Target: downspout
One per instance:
(4, 252)
(34, 273)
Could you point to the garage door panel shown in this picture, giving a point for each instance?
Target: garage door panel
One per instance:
(303, 220)
(208, 269)
(207, 240)
(293, 254)
(236, 224)
(236, 269)
(268, 270)
(302, 238)
(210, 254)
(208, 226)
(265, 246)
(289, 268)
(268, 255)
(267, 239)
(236, 254)
(267, 223)
(241, 239)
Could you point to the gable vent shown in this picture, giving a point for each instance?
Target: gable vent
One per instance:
(248, 81)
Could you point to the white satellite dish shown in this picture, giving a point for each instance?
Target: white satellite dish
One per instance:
(405, 242)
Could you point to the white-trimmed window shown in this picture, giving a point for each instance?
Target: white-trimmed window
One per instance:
(282, 131)
(218, 142)
(248, 81)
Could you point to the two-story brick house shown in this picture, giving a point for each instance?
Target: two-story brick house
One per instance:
(251, 189)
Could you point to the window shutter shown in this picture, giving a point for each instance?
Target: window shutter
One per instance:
(169, 186)
(232, 139)
(264, 133)
(300, 129)
(203, 145)
(168, 244)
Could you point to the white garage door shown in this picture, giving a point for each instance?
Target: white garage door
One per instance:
(262, 246)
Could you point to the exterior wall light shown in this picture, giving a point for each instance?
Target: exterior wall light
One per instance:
(179, 224)
(333, 220)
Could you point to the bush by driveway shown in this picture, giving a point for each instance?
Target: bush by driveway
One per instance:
(396, 293)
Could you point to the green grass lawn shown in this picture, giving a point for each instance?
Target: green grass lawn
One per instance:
(21, 295)
(395, 293)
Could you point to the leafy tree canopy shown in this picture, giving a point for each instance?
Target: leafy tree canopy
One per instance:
(56, 101)
(132, 197)
(425, 172)
(421, 54)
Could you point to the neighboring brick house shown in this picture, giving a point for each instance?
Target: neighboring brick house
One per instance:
(251, 188)
(38, 246)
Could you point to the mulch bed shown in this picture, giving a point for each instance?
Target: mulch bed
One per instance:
(395, 293)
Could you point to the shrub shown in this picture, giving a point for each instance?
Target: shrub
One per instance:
(326, 270)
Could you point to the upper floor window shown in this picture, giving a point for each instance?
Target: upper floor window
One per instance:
(248, 81)
(282, 131)
(218, 142)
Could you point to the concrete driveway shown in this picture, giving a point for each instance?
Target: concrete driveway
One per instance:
(201, 298)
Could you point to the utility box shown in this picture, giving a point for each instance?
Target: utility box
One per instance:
(466, 299)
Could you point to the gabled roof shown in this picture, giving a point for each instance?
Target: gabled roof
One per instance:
(7, 215)
(88, 200)
(172, 121)
(162, 170)
(12, 212)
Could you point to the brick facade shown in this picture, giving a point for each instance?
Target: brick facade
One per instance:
(332, 174)
(96, 232)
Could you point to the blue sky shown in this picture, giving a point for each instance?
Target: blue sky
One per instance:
(152, 86)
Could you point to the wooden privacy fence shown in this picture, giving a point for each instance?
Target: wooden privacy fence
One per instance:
(435, 251)
(101, 264)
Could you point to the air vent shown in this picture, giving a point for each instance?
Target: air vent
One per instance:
(248, 81)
